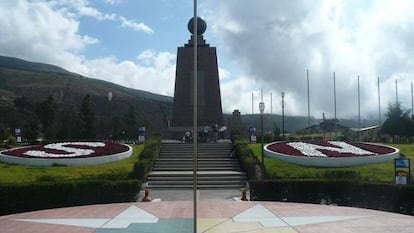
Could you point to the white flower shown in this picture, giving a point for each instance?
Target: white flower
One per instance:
(71, 152)
(313, 150)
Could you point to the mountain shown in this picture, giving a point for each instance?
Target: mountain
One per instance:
(37, 81)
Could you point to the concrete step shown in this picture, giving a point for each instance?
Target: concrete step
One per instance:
(181, 179)
(190, 177)
(200, 169)
(199, 159)
(190, 164)
(216, 168)
(200, 165)
(190, 161)
(200, 186)
(240, 182)
(191, 156)
(199, 173)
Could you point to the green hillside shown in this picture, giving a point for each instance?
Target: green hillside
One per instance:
(35, 82)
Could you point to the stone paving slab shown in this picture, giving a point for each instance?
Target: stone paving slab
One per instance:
(212, 216)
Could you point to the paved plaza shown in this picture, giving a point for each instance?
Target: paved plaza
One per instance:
(218, 211)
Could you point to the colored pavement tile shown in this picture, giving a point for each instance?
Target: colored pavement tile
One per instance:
(213, 216)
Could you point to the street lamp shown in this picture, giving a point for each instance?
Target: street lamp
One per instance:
(262, 108)
(109, 113)
(283, 115)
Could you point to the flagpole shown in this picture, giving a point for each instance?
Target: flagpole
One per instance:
(379, 108)
(195, 116)
(271, 104)
(252, 104)
(309, 124)
(412, 104)
(359, 113)
(334, 86)
(396, 92)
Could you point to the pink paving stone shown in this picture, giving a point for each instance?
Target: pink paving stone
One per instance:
(221, 209)
(372, 221)
(173, 209)
(293, 209)
(10, 226)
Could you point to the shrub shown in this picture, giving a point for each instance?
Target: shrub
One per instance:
(342, 174)
(15, 198)
(11, 141)
(387, 197)
(249, 163)
(147, 157)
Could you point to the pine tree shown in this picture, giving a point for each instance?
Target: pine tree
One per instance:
(87, 116)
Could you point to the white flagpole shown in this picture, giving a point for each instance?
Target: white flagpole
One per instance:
(396, 92)
(271, 104)
(412, 104)
(252, 103)
(334, 86)
(309, 121)
(379, 103)
(359, 113)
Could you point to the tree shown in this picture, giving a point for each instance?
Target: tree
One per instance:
(276, 134)
(31, 129)
(130, 121)
(69, 124)
(328, 126)
(398, 122)
(87, 116)
(22, 103)
(46, 112)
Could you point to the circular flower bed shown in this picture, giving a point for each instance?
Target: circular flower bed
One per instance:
(67, 153)
(330, 153)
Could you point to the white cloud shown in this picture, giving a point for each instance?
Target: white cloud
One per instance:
(154, 72)
(83, 8)
(36, 31)
(135, 25)
(224, 73)
(274, 42)
(112, 2)
(265, 45)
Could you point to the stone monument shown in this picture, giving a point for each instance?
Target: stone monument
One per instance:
(209, 99)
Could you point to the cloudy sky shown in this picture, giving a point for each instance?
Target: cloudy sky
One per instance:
(263, 44)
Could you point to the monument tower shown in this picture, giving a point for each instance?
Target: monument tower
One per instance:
(209, 99)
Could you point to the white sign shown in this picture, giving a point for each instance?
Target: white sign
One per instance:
(401, 180)
(141, 138)
(253, 138)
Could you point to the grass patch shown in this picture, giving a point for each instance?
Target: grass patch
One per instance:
(384, 173)
(17, 174)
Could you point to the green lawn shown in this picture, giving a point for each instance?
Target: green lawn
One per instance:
(111, 171)
(276, 169)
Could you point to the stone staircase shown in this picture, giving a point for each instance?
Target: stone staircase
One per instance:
(216, 168)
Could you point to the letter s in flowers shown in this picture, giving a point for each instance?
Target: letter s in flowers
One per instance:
(66, 149)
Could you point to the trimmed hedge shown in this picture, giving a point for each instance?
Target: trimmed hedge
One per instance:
(387, 197)
(249, 163)
(147, 157)
(41, 195)
(51, 193)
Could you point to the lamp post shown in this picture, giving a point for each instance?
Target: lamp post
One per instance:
(109, 114)
(283, 115)
(261, 109)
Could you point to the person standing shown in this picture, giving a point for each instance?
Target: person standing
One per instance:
(205, 133)
(215, 132)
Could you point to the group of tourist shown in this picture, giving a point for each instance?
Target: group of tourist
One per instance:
(210, 134)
